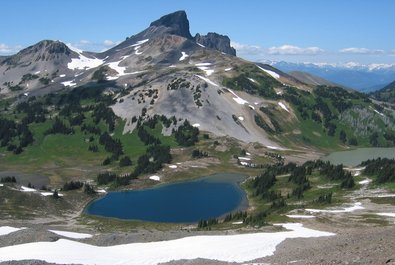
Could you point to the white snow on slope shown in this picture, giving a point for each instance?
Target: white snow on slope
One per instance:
(45, 194)
(386, 214)
(238, 99)
(196, 125)
(356, 206)
(300, 216)
(271, 73)
(378, 112)
(227, 248)
(69, 83)
(274, 147)
(83, 62)
(62, 75)
(228, 69)
(5, 230)
(252, 80)
(207, 80)
(282, 105)
(73, 235)
(156, 178)
(120, 70)
(201, 45)
(206, 69)
(1, 185)
(183, 56)
(244, 158)
(365, 181)
(138, 43)
(26, 189)
(173, 166)
(136, 50)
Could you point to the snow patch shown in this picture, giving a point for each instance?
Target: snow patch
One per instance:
(156, 178)
(386, 214)
(378, 112)
(283, 106)
(62, 75)
(238, 99)
(5, 230)
(273, 147)
(73, 235)
(120, 70)
(46, 194)
(271, 73)
(138, 43)
(356, 206)
(173, 166)
(84, 63)
(244, 163)
(241, 118)
(237, 223)
(101, 191)
(26, 189)
(69, 83)
(201, 45)
(226, 248)
(244, 158)
(365, 181)
(228, 69)
(196, 125)
(253, 80)
(183, 56)
(136, 50)
(207, 80)
(203, 64)
(36, 73)
(1, 185)
(300, 216)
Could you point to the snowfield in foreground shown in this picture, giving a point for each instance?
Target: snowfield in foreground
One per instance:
(71, 234)
(5, 230)
(229, 248)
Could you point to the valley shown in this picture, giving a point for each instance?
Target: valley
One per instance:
(164, 109)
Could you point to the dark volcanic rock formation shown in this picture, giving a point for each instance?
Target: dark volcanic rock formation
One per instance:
(216, 41)
(177, 24)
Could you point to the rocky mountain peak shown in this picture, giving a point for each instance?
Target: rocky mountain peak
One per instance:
(49, 46)
(216, 41)
(176, 23)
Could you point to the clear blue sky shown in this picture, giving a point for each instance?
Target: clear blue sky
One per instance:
(303, 30)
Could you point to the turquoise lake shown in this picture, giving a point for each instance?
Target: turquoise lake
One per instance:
(355, 157)
(181, 202)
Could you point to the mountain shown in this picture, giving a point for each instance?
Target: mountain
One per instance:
(165, 71)
(387, 93)
(364, 78)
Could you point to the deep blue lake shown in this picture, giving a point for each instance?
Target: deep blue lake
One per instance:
(181, 202)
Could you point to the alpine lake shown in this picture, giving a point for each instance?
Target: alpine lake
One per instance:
(181, 202)
(354, 157)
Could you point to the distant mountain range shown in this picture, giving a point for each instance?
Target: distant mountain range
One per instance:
(361, 77)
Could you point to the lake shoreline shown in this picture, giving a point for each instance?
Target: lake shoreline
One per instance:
(224, 179)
